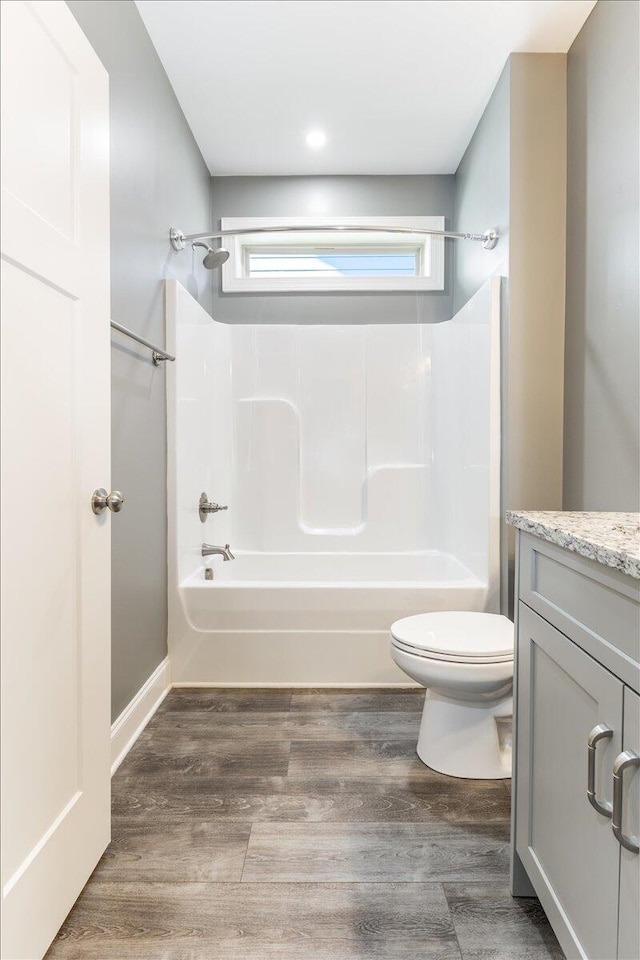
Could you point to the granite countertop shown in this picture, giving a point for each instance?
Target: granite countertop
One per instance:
(612, 539)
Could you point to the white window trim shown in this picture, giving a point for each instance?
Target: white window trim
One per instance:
(234, 279)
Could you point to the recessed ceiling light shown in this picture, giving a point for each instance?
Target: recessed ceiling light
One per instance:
(316, 139)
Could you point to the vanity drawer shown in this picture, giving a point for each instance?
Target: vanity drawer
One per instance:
(594, 605)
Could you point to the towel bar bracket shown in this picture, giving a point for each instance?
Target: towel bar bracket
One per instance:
(157, 354)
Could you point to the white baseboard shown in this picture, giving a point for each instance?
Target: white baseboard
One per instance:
(296, 686)
(136, 715)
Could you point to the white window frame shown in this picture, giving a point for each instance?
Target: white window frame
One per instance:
(234, 271)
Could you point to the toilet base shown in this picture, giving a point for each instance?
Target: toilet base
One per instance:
(464, 739)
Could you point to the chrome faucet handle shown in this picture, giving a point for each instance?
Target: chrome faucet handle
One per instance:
(205, 507)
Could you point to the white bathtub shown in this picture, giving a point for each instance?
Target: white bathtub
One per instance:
(309, 618)
(360, 467)
(334, 569)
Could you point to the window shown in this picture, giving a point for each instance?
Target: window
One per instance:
(323, 261)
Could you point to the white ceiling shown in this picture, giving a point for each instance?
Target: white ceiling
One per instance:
(398, 85)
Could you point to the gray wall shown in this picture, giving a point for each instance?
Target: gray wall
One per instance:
(481, 202)
(158, 178)
(340, 196)
(602, 358)
(513, 176)
(482, 196)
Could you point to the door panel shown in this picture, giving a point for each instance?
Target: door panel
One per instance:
(38, 165)
(55, 451)
(39, 447)
(629, 921)
(564, 843)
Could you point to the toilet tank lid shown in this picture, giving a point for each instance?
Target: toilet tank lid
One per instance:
(462, 634)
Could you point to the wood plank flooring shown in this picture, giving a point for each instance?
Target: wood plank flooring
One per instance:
(299, 825)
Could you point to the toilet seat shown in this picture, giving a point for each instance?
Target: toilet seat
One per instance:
(456, 636)
(447, 657)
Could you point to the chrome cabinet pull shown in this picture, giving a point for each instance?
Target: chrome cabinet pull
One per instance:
(600, 732)
(622, 762)
(100, 500)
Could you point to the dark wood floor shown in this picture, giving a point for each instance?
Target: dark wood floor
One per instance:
(300, 825)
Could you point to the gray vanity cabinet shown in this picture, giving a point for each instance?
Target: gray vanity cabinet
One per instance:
(571, 704)
(563, 842)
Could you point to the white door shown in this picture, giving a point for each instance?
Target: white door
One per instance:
(55, 451)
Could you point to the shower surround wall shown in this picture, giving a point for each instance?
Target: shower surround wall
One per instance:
(360, 466)
(331, 439)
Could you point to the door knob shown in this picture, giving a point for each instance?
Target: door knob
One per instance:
(100, 500)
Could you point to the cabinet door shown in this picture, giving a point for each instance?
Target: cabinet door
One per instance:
(629, 922)
(566, 846)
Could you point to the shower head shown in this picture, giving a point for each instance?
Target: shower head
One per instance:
(213, 258)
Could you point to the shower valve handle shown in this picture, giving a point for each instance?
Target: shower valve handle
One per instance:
(205, 507)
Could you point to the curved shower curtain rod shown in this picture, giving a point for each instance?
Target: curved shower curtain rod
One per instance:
(488, 239)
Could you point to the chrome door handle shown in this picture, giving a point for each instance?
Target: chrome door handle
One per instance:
(100, 500)
(115, 501)
(600, 732)
(622, 762)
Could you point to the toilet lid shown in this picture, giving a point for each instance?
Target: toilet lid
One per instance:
(459, 635)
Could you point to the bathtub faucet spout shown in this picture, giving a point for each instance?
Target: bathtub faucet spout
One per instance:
(209, 550)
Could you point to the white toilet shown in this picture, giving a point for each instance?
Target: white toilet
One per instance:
(465, 660)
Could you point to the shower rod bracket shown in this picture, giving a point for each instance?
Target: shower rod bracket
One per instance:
(488, 239)
(177, 238)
